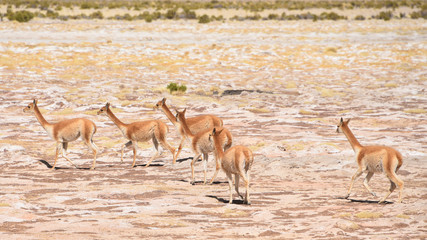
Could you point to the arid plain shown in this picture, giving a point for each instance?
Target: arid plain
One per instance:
(302, 76)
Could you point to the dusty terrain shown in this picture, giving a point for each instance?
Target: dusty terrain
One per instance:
(308, 74)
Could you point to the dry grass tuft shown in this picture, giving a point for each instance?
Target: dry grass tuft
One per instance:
(369, 215)
(415, 111)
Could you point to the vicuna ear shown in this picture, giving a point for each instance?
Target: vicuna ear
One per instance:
(163, 100)
(341, 120)
(214, 131)
(183, 112)
(347, 121)
(107, 105)
(35, 101)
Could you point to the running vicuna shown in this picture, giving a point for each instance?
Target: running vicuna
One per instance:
(235, 161)
(66, 131)
(143, 131)
(374, 159)
(196, 124)
(201, 145)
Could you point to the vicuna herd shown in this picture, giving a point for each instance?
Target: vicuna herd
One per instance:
(206, 134)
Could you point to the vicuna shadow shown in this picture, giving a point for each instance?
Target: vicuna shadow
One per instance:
(151, 165)
(184, 159)
(50, 166)
(62, 168)
(364, 201)
(225, 201)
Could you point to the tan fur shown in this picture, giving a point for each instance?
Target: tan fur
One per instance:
(142, 131)
(201, 144)
(374, 159)
(67, 131)
(196, 124)
(235, 161)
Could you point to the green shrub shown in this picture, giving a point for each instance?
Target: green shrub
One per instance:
(189, 14)
(273, 16)
(170, 14)
(174, 87)
(419, 14)
(96, 15)
(331, 16)
(127, 17)
(85, 5)
(20, 16)
(359, 18)
(386, 16)
(51, 14)
(204, 19)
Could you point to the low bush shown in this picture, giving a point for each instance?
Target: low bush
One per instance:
(20, 16)
(386, 16)
(419, 14)
(170, 14)
(96, 15)
(204, 19)
(359, 18)
(174, 87)
(51, 14)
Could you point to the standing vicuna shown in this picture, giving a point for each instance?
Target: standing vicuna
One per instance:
(201, 145)
(235, 161)
(374, 159)
(67, 131)
(196, 124)
(143, 131)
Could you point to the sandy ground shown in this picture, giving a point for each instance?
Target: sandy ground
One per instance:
(309, 74)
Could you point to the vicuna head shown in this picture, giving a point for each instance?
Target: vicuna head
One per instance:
(213, 136)
(342, 124)
(180, 116)
(103, 110)
(160, 103)
(31, 106)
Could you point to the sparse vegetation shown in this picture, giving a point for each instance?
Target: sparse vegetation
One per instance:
(187, 9)
(204, 19)
(20, 16)
(174, 87)
(369, 215)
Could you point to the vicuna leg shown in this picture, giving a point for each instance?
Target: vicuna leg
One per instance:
(245, 177)
(230, 186)
(181, 144)
(195, 158)
(366, 181)
(64, 153)
(156, 149)
(135, 149)
(355, 176)
(394, 180)
(248, 201)
(205, 166)
(160, 136)
(94, 149)
(128, 144)
(166, 145)
(236, 185)
(218, 167)
(58, 150)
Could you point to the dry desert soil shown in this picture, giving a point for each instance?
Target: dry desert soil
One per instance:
(300, 77)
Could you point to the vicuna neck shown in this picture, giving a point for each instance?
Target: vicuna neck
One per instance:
(187, 130)
(351, 138)
(169, 114)
(40, 117)
(116, 121)
(218, 147)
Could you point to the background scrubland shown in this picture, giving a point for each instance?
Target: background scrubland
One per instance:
(277, 83)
